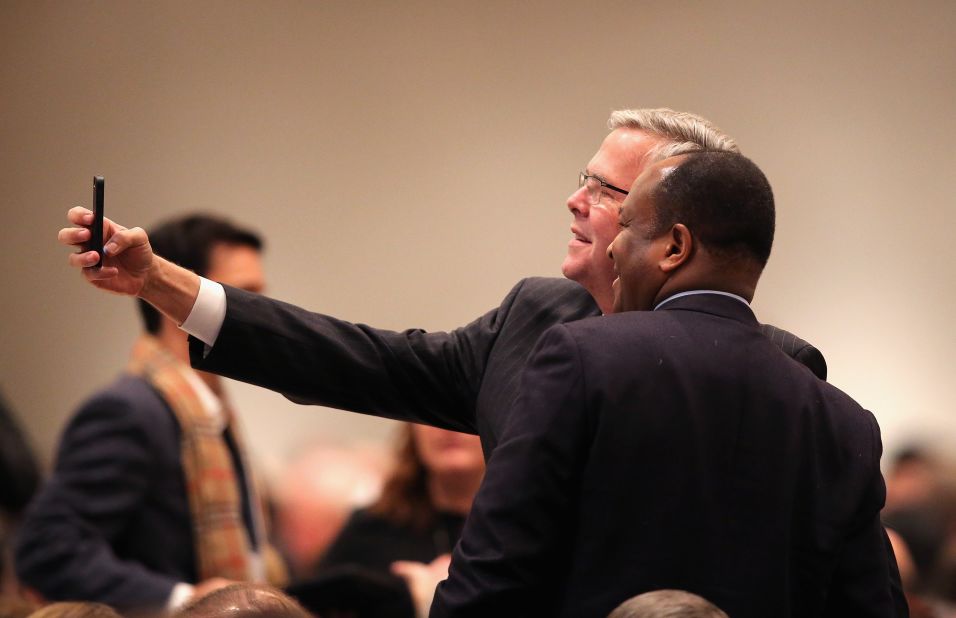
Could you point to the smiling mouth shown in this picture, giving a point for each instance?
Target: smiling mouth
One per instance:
(578, 237)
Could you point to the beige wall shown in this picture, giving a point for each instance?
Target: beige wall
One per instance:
(408, 162)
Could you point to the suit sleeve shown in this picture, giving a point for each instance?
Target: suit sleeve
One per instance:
(312, 358)
(102, 474)
(866, 581)
(508, 558)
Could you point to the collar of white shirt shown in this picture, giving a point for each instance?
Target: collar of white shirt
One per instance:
(696, 292)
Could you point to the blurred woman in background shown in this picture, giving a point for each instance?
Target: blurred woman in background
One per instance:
(423, 505)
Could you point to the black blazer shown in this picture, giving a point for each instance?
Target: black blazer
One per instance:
(19, 472)
(677, 449)
(464, 380)
(112, 524)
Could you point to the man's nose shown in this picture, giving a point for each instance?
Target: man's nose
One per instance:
(579, 203)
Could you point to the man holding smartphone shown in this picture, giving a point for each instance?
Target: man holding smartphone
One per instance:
(464, 380)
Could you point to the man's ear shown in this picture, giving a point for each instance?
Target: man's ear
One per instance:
(678, 247)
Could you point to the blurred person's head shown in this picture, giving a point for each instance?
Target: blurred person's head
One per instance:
(245, 600)
(638, 138)
(667, 604)
(435, 471)
(316, 494)
(697, 221)
(75, 610)
(447, 454)
(916, 511)
(912, 480)
(211, 247)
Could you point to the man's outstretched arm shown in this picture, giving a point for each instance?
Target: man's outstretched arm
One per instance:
(431, 378)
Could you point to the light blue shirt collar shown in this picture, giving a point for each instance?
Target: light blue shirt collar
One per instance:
(695, 292)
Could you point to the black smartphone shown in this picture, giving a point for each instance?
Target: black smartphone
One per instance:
(96, 236)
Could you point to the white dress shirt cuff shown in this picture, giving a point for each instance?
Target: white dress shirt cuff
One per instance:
(178, 597)
(208, 312)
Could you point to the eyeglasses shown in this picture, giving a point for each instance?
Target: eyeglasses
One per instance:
(594, 185)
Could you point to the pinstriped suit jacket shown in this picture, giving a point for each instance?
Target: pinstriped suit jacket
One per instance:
(465, 380)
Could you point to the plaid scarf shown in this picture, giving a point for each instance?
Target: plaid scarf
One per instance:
(221, 542)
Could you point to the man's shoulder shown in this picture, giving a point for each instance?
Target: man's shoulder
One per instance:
(563, 298)
(592, 330)
(649, 340)
(128, 398)
(126, 390)
(550, 285)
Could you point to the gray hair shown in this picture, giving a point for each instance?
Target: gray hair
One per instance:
(667, 604)
(680, 132)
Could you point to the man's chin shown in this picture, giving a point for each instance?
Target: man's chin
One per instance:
(570, 269)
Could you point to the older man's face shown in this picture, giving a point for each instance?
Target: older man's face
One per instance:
(619, 162)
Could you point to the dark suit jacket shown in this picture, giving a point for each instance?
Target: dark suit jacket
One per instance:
(113, 524)
(19, 473)
(676, 449)
(464, 380)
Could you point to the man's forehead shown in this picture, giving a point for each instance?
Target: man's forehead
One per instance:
(622, 155)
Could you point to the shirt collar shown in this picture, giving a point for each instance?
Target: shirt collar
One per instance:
(211, 404)
(696, 292)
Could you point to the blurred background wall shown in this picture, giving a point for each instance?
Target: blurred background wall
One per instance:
(408, 162)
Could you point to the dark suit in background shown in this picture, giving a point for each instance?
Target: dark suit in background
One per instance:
(113, 523)
(677, 449)
(19, 479)
(464, 380)
(19, 472)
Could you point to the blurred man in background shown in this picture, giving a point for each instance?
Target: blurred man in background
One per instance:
(151, 501)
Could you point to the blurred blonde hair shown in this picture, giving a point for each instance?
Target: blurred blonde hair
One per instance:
(75, 610)
(244, 600)
(667, 604)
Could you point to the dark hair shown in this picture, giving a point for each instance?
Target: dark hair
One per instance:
(405, 499)
(189, 241)
(725, 201)
(244, 600)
